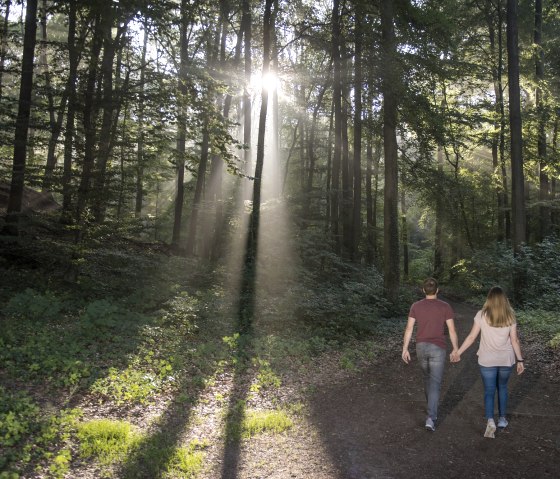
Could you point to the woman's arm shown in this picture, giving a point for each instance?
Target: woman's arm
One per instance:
(468, 340)
(517, 349)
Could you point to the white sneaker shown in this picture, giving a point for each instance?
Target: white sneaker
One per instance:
(502, 422)
(430, 425)
(490, 429)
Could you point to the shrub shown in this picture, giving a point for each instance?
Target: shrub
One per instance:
(34, 306)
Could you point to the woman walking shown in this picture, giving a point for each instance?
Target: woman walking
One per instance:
(499, 350)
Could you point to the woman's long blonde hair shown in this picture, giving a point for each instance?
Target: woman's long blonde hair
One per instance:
(497, 309)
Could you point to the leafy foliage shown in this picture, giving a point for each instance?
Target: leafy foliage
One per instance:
(28, 436)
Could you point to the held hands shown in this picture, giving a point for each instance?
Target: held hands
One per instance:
(455, 357)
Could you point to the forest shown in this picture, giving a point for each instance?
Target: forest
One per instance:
(213, 212)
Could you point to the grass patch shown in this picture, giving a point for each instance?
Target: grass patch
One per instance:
(186, 462)
(107, 441)
(258, 422)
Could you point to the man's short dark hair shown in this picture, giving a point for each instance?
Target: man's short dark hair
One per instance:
(430, 286)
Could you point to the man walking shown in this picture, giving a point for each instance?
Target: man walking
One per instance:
(432, 315)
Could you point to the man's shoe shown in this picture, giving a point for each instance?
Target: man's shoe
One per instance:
(430, 425)
(502, 422)
(490, 429)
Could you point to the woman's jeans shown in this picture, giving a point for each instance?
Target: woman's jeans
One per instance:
(432, 361)
(495, 377)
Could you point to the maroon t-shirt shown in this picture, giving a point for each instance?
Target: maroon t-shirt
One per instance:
(430, 316)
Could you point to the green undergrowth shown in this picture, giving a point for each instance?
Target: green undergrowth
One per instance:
(546, 324)
(33, 437)
(124, 325)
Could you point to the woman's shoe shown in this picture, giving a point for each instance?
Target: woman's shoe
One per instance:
(490, 429)
(502, 422)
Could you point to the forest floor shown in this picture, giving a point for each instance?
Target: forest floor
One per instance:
(369, 422)
(371, 425)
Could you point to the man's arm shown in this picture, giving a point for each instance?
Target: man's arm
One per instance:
(407, 338)
(453, 335)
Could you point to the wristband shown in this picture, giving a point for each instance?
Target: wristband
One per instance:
(519, 360)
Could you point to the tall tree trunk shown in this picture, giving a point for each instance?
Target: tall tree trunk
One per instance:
(247, 21)
(89, 118)
(369, 194)
(107, 123)
(55, 122)
(555, 213)
(329, 170)
(181, 127)
(217, 169)
(275, 147)
(404, 227)
(4, 43)
(255, 214)
(502, 116)
(517, 175)
(347, 173)
(496, 138)
(140, 151)
(357, 163)
(337, 103)
(311, 151)
(122, 183)
(190, 247)
(391, 261)
(290, 152)
(544, 183)
(71, 114)
(15, 199)
(438, 239)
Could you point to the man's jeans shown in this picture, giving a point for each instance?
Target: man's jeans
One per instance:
(432, 361)
(492, 378)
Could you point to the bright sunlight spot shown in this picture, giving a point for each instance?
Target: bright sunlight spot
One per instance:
(269, 81)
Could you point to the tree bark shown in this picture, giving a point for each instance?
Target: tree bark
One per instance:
(497, 140)
(337, 104)
(347, 173)
(190, 247)
(89, 116)
(404, 227)
(181, 128)
(4, 42)
(544, 182)
(357, 163)
(139, 200)
(15, 199)
(255, 214)
(438, 238)
(71, 114)
(517, 175)
(247, 21)
(55, 121)
(107, 124)
(391, 261)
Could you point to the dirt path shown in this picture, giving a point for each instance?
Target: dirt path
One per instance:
(373, 425)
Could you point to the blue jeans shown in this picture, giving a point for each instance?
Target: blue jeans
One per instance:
(432, 361)
(495, 377)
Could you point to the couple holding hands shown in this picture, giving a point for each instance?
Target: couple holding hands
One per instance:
(498, 352)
